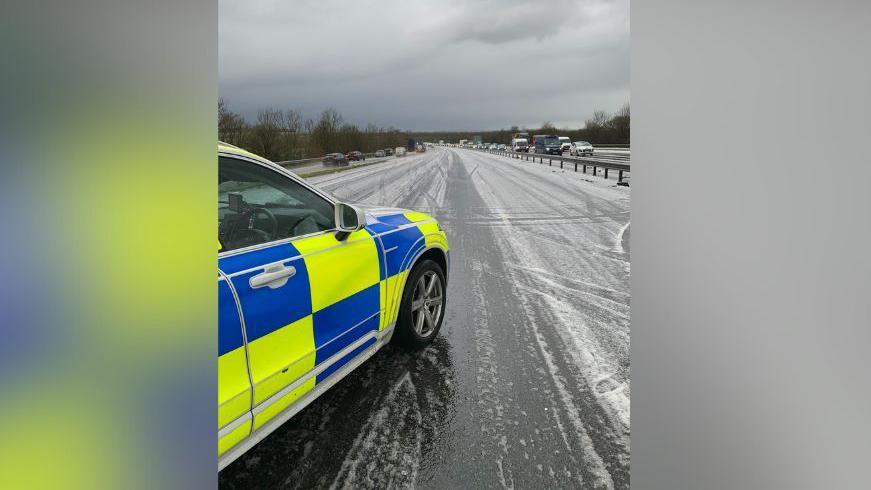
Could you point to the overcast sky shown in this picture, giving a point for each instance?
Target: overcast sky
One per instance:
(427, 64)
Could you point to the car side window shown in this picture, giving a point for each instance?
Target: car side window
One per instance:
(259, 205)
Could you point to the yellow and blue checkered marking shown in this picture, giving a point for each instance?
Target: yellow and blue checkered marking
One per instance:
(267, 310)
(341, 292)
(234, 387)
(400, 243)
(229, 327)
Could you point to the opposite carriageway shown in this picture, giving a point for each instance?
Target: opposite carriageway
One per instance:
(578, 162)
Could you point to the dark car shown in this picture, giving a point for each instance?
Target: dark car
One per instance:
(546, 143)
(356, 156)
(388, 152)
(335, 160)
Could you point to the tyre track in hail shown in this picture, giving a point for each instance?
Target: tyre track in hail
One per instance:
(606, 427)
(502, 398)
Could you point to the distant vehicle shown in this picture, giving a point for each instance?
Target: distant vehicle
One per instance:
(335, 160)
(420, 149)
(356, 156)
(520, 136)
(411, 145)
(388, 152)
(500, 146)
(400, 151)
(519, 144)
(565, 143)
(379, 153)
(580, 148)
(546, 143)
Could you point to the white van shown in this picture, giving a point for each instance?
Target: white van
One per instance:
(400, 151)
(520, 144)
(565, 144)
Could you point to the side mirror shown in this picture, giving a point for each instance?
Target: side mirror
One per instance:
(348, 220)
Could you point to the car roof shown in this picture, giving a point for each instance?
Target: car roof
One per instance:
(235, 150)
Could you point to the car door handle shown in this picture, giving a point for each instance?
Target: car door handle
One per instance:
(273, 276)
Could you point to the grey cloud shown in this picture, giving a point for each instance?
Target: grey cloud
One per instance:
(498, 22)
(427, 64)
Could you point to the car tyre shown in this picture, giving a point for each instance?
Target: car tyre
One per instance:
(422, 307)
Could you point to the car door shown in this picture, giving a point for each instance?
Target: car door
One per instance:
(310, 302)
(234, 382)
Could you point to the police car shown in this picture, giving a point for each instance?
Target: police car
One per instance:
(308, 289)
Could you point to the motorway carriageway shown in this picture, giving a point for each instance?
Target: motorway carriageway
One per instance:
(528, 383)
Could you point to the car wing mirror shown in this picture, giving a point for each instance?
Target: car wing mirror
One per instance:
(348, 220)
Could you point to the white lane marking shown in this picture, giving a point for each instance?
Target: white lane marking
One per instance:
(618, 246)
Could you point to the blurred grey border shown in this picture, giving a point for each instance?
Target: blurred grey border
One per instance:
(750, 242)
(108, 390)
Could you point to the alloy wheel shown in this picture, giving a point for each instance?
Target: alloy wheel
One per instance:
(426, 304)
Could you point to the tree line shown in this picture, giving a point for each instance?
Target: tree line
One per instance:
(281, 135)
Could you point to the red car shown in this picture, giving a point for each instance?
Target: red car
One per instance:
(356, 156)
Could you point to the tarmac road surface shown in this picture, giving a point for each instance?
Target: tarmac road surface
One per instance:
(528, 383)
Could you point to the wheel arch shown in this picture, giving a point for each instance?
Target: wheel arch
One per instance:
(437, 255)
(434, 252)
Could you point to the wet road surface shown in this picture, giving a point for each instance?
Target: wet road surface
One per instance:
(528, 383)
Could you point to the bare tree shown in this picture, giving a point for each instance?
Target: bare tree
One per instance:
(620, 123)
(624, 110)
(231, 126)
(291, 135)
(600, 119)
(324, 132)
(267, 133)
(596, 127)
